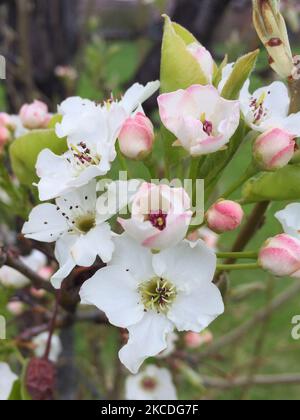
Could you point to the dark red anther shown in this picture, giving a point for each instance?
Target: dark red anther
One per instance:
(208, 127)
(158, 219)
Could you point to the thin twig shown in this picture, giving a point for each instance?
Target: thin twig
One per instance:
(258, 380)
(37, 281)
(260, 316)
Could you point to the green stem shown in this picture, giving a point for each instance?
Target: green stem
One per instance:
(237, 255)
(236, 267)
(195, 163)
(250, 172)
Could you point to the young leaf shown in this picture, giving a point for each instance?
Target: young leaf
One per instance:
(282, 185)
(16, 394)
(179, 69)
(241, 72)
(24, 152)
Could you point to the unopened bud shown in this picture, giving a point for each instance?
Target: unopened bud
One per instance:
(137, 137)
(272, 31)
(35, 115)
(224, 216)
(274, 149)
(281, 256)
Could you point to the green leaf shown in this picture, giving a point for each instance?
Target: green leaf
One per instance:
(179, 69)
(241, 72)
(184, 34)
(282, 185)
(54, 120)
(15, 394)
(219, 71)
(24, 152)
(24, 393)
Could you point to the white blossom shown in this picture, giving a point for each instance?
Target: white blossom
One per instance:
(152, 384)
(152, 294)
(91, 131)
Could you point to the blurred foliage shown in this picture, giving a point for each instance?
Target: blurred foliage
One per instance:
(107, 67)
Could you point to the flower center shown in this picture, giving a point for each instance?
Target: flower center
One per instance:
(258, 108)
(158, 295)
(85, 223)
(148, 383)
(158, 219)
(207, 125)
(83, 156)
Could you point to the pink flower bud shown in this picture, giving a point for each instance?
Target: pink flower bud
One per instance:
(15, 308)
(5, 119)
(137, 137)
(274, 149)
(224, 216)
(281, 256)
(4, 136)
(195, 340)
(35, 115)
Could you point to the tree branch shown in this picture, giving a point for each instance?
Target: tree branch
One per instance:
(258, 380)
(260, 316)
(15, 263)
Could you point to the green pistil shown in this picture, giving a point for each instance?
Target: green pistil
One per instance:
(158, 295)
(85, 223)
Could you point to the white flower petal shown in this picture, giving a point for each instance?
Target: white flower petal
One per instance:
(175, 232)
(146, 339)
(7, 380)
(63, 255)
(138, 94)
(96, 242)
(197, 308)
(290, 219)
(114, 291)
(186, 264)
(164, 389)
(79, 202)
(131, 256)
(54, 173)
(292, 124)
(45, 224)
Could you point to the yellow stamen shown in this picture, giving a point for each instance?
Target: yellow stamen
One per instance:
(203, 117)
(262, 98)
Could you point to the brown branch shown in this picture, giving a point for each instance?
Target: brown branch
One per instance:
(248, 231)
(260, 316)
(92, 317)
(15, 263)
(25, 50)
(258, 380)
